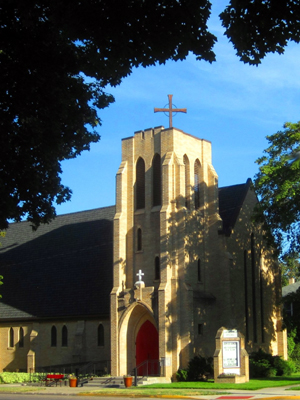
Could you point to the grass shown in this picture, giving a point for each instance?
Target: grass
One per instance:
(189, 389)
(177, 389)
(152, 392)
(253, 384)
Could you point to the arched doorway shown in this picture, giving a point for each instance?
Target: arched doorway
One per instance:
(146, 350)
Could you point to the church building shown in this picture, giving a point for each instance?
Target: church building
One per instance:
(148, 282)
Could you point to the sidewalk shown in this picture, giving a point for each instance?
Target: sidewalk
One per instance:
(268, 393)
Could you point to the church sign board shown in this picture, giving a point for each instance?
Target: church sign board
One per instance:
(231, 360)
(231, 354)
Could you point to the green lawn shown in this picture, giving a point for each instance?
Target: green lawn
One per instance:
(188, 389)
(177, 389)
(253, 384)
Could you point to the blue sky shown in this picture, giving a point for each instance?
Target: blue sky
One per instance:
(233, 105)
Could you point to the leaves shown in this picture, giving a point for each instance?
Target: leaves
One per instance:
(259, 27)
(55, 63)
(278, 187)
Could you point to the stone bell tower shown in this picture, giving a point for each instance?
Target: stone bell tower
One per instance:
(166, 222)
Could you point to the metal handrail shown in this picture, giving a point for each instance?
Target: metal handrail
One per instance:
(146, 371)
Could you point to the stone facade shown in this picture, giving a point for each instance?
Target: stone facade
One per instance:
(37, 351)
(205, 266)
(209, 276)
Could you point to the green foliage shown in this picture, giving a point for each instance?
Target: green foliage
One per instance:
(19, 377)
(199, 368)
(290, 268)
(58, 57)
(264, 365)
(259, 369)
(278, 187)
(259, 27)
(292, 321)
(283, 367)
(295, 357)
(55, 63)
(294, 349)
(181, 375)
(291, 341)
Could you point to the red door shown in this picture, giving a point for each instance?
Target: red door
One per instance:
(147, 350)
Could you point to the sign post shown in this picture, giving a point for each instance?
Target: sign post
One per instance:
(231, 360)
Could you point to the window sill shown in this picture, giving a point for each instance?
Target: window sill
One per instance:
(155, 209)
(139, 212)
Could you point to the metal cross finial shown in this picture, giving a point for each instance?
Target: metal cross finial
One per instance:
(170, 110)
(140, 274)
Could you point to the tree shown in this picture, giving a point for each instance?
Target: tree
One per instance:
(258, 27)
(290, 269)
(58, 57)
(291, 314)
(55, 63)
(278, 188)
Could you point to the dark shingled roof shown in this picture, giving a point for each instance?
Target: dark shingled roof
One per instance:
(231, 199)
(64, 269)
(291, 288)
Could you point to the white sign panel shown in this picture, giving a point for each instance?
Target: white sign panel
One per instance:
(231, 354)
(232, 333)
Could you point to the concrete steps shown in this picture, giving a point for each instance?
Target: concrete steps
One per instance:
(118, 382)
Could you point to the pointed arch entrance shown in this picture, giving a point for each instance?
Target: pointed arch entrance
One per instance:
(146, 349)
(138, 339)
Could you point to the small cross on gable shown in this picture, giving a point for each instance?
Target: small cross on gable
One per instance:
(140, 274)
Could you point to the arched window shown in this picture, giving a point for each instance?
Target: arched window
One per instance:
(157, 268)
(253, 270)
(64, 336)
(21, 337)
(187, 181)
(140, 184)
(199, 270)
(139, 240)
(11, 338)
(100, 335)
(246, 294)
(53, 336)
(156, 180)
(197, 184)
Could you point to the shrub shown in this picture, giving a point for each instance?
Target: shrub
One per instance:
(271, 372)
(283, 367)
(259, 369)
(295, 357)
(18, 377)
(264, 365)
(199, 368)
(181, 375)
(291, 342)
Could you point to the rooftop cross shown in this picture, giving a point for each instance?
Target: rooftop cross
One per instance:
(140, 274)
(170, 110)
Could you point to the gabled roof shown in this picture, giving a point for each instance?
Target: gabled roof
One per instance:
(289, 289)
(231, 199)
(64, 269)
